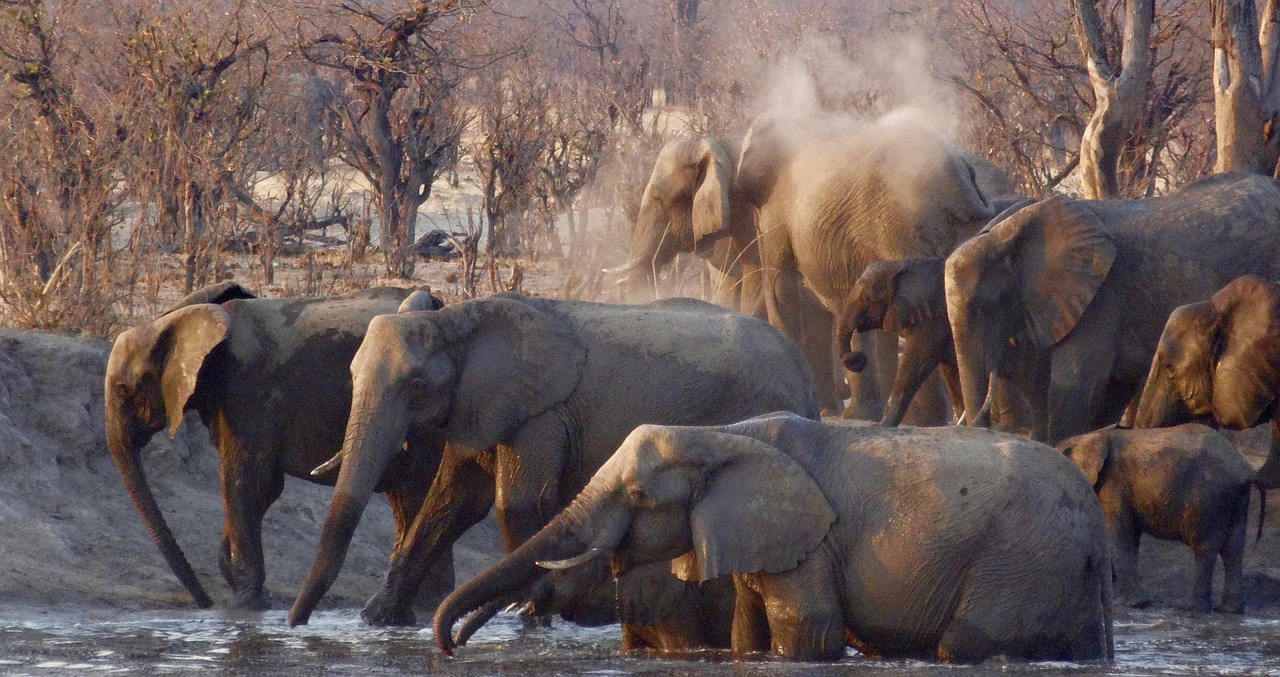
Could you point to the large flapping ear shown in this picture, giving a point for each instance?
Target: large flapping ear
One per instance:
(758, 511)
(184, 338)
(1247, 379)
(215, 293)
(711, 199)
(918, 294)
(1061, 255)
(1090, 452)
(516, 363)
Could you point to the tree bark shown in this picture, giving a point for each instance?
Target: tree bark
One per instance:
(1245, 93)
(1119, 93)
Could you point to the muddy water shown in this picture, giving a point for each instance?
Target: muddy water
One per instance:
(336, 643)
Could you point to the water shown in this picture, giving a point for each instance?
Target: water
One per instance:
(336, 643)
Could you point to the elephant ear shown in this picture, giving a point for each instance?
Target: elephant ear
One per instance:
(184, 338)
(215, 293)
(1247, 377)
(1061, 255)
(918, 294)
(1090, 452)
(758, 512)
(711, 199)
(518, 362)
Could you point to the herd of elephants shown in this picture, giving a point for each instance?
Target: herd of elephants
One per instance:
(666, 465)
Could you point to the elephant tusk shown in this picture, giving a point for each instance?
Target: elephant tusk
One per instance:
(561, 564)
(626, 267)
(328, 466)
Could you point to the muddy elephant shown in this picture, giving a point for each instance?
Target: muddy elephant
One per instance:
(950, 544)
(533, 395)
(1085, 287)
(1184, 484)
(270, 378)
(1218, 361)
(831, 197)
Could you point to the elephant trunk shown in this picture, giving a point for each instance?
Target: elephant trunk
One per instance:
(1160, 404)
(376, 429)
(126, 437)
(581, 533)
(971, 365)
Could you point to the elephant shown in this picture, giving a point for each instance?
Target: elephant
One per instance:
(906, 296)
(533, 395)
(690, 205)
(1184, 484)
(904, 542)
(1218, 361)
(1078, 290)
(832, 196)
(269, 377)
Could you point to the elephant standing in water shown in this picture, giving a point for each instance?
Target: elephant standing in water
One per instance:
(949, 544)
(533, 395)
(1084, 288)
(270, 378)
(832, 196)
(1218, 361)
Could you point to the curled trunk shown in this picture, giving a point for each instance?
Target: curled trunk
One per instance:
(125, 439)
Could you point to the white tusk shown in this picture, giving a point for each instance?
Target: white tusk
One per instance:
(561, 564)
(328, 466)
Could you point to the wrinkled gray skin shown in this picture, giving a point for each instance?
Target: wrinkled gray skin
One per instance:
(1218, 362)
(270, 379)
(534, 395)
(834, 196)
(949, 544)
(1184, 484)
(1084, 288)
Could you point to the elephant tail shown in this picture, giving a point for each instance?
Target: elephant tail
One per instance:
(1108, 610)
(1262, 511)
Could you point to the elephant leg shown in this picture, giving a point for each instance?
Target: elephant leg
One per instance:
(417, 469)
(1126, 537)
(1233, 561)
(915, 364)
(460, 496)
(951, 378)
(1077, 382)
(1202, 588)
(750, 633)
(806, 621)
(529, 474)
(247, 493)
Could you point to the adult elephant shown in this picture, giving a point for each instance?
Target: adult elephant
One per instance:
(533, 396)
(920, 543)
(1085, 286)
(691, 206)
(832, 196)
(270, 379)
(1218, 361)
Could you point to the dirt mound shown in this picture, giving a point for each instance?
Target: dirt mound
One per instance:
(70, 535)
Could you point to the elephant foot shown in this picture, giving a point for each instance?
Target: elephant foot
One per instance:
(257, 600)
(379, 615)
(1232, 605)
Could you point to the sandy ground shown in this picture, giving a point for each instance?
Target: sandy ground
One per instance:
(71, 539)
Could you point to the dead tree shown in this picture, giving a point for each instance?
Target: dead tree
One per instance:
(1246, 85)
(1119, 90)
(401, 124)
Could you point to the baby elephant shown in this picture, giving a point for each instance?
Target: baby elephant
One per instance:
(955, 544)
(1184, 484)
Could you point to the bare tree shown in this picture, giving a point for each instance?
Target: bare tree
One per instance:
(1246, 85)
(1119, 90)
(401, 124)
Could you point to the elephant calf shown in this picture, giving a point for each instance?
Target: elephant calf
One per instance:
(955, 544)
(1184, 484)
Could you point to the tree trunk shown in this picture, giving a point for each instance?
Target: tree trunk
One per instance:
(1245, 94)
(1119, 94)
